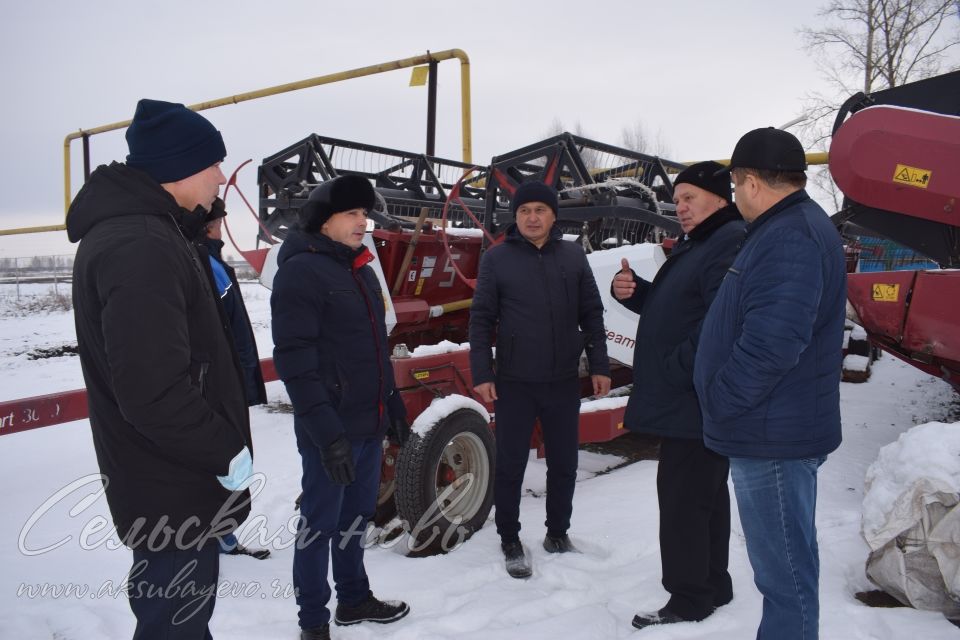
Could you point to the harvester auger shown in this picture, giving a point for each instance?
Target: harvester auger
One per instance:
(897, 161)
(434, 219)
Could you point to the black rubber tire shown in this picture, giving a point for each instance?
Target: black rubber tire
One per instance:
(455, 460)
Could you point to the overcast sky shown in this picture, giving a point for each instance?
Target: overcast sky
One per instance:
(700, 72)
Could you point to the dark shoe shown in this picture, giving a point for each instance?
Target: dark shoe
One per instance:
(240, 550)
(559, 544)
(719, 602)
(663, 616)
(316, 633)
(371, 610)
(518, 564)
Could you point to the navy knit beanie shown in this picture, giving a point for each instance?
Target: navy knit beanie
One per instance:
(704, 175)
(534, 192)
(170, 142)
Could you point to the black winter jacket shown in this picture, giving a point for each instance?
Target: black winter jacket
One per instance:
(542, 308)
(330, 340)
(663, 401)
(239, 321)
(165, 391)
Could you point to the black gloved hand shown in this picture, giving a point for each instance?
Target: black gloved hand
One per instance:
(399, 431)
(337, 458)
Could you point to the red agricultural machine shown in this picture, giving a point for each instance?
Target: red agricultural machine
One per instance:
(897, 161)
(433, 220)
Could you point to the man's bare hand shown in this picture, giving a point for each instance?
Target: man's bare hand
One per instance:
(488, 391)
(623, 285)
(601, 384)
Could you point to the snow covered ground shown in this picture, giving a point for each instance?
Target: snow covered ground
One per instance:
(49, 538)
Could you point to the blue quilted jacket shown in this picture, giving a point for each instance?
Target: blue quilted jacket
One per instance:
(768, 363)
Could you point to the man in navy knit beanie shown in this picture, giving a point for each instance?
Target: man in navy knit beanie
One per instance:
(168, 413)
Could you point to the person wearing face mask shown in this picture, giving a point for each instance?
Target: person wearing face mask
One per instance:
(165, 389)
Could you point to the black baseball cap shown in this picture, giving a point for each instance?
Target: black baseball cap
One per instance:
(768, 148)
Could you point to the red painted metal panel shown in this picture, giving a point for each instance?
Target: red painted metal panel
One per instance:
(601, 426)
(900, 160)
(65, 406)
(931, 329)
(269, 370)
(256, 258)
(42, 411)
(880, 299)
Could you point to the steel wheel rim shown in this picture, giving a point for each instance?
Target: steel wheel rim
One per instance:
(466, 456)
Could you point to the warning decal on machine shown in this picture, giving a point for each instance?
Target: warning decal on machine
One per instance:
(886, 292)
(912, 176)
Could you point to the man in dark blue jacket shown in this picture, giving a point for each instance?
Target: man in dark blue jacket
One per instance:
(537, 299)
(330, 350)
(223, 279)
(691, 479)
(768, 373)
(228, 288)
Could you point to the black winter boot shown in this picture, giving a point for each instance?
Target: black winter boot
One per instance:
(663, 616)
(518, 564)
(316, 633)
(371, 610)
(240, 550)
(559, 544)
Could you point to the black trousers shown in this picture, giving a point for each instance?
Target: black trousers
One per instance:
(518, 405)
(172, 593)
(694, 527)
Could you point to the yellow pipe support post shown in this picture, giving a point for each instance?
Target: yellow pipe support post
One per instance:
(49, 227)
(816, 157)
(404, 63)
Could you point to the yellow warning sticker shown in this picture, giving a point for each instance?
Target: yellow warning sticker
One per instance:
(421, 375)
(886, 292)
(912, 176)
(419, 286)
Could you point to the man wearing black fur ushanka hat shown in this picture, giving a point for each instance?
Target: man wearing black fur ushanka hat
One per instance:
(330, 350)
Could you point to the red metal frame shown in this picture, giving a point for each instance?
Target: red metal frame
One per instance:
(419, 379)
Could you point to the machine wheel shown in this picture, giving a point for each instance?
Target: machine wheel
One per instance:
(386, 505)
(444, 482)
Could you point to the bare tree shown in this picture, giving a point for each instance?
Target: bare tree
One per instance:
(869, 45)
(877, 44)
(636, 138)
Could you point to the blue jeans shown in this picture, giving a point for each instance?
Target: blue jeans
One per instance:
(333, 519)
(777, 500)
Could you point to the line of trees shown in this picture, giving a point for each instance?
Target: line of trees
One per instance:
(62, 263)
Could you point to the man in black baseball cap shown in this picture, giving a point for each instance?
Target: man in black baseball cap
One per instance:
(769, 149)
(767, 373)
